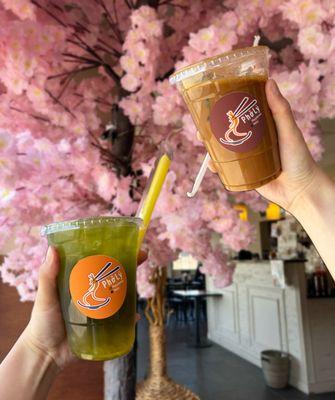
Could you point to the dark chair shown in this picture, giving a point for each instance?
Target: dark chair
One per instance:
(174, 307)
(181, 308)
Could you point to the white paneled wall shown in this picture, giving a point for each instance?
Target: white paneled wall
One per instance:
(254, 314)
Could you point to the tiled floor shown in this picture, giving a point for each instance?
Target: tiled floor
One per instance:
(213, 373)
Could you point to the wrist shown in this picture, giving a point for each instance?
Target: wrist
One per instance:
(38, 353)
(311, 195)
(27, 372)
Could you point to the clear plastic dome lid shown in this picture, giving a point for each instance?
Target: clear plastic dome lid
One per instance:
(224, 59)
(87, 223)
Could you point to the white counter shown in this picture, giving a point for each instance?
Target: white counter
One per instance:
(255, 314)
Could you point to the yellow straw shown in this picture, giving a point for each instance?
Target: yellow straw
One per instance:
(151, 192)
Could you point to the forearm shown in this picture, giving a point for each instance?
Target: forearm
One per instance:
(315, 210)
(26, 373)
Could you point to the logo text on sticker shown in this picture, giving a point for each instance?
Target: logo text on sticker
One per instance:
(237, 121)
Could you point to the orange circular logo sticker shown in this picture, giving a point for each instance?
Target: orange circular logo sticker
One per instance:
(98, 286)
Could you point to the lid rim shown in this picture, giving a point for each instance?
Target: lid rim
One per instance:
(211, 62)
(85, 223)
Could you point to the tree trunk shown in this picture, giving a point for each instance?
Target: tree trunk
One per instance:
(158, 385)
(122, 142)
(157, 351)
(120, 378)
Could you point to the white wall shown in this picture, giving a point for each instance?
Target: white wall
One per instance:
(254, 315)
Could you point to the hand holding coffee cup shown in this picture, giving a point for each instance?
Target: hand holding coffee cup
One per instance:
(226, 97)
(299, 168)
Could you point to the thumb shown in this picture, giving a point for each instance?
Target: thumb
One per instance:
(282, 114)
(47, 295)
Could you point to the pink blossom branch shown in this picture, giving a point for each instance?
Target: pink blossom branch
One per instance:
(112, 73)
(108, 46)
(108, 156)
(53, 16)
(115, 13)
(72, 72)
(81, 26)
(96, 100)
(40, 118)
(78, 104)
(129, 4)
(57, 7)
(84, 60)
(74, 61)
(65, 85)
(110, 19)
(93, 137)
(85, 29)
(113, 52)
(84, 46)
(60, 103)
(99, 60)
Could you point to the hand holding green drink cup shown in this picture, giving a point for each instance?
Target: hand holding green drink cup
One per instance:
(97, 278)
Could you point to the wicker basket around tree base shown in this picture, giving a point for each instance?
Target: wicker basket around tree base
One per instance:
(163, 389)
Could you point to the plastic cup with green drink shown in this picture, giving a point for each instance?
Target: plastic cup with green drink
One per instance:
(96, 283)
(97, 278)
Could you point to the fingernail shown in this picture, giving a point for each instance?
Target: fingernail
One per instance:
(274, 88)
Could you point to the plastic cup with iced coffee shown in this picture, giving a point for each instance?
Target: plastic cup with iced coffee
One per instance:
(226, 97)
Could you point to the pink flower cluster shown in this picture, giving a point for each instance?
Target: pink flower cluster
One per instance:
(168, 107)
(219, 267)
(213, 39)
(24, 51)
(20, 268)
(145, 287)
(296, 86)
(142, 51)
(24, 9)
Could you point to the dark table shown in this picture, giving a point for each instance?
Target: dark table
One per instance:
(197, 296)
(184, 285)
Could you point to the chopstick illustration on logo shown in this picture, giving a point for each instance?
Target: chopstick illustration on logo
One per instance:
(94, 283)
(234, 120)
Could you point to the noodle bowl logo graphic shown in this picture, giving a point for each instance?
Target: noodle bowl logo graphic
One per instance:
(98, 286)
(237, 121)
(94, 283)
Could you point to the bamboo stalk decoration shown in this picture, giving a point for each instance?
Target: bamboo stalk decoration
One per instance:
(158, 385)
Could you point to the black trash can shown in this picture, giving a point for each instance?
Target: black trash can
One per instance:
(276, 368)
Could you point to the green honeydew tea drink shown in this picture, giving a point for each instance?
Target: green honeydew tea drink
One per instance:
(97, 283)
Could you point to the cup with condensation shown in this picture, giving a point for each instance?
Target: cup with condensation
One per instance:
(226, 97)
(97, 283)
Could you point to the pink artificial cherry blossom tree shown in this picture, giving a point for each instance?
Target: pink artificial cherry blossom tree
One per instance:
(85, 105)
(69, 69)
